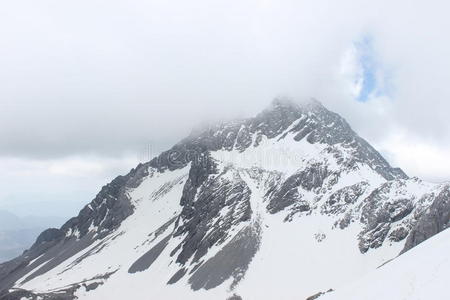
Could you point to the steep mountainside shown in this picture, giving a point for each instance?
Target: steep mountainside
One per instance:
(280, 206)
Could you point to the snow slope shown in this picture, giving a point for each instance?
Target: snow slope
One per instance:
(420, 274)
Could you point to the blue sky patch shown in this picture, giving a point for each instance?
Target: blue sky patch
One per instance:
(370, 69)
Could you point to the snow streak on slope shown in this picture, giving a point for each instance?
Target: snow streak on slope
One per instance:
(420, 274)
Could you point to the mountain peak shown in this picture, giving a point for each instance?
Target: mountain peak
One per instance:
(284, 102)
(284, 121)
(293, 104)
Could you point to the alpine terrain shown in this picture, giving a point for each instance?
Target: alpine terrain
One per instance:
(289, 204)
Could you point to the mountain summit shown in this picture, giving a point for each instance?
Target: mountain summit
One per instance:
(283, 205)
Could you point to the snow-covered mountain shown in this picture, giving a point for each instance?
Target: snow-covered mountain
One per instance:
(284, 205)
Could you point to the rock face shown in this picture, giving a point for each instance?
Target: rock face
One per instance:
(109, 208)
(220, 208)
(435, 219)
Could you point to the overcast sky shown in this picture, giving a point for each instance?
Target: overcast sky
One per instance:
(87, 86)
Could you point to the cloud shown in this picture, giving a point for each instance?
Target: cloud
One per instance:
(107, 78)
(56, 186)
(417, 156)
(367, 78)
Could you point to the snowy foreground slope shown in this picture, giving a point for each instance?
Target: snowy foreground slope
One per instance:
(420, 274)
(284, 205)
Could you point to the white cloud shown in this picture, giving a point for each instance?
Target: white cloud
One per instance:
(418, 157)
(352, 72)
(56, 186)
(102, 78)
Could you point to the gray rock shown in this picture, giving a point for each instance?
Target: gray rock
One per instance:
(378, 214)
(146, 260)
(434, 220)
(202, 216)
(177, 276)
(231, 261)
(342, 198)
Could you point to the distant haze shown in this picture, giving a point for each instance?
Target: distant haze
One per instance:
(19, 233)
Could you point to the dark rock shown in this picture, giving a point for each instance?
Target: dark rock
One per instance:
(231, 261)
(146, 260)
(49, 235)
(398, 234)
(378, 214)
(203, 215)
(339, 200)
(318, 295)
(177, 276)
(288, 194)
(434, 220)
